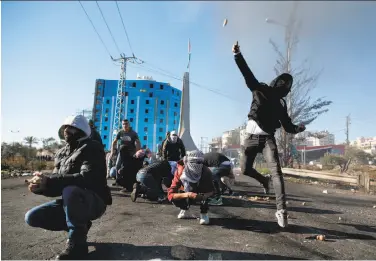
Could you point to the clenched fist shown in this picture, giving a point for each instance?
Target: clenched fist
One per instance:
(236, 48)
(38, 183)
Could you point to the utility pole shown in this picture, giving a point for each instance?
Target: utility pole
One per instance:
(203, 140)
(348, 122)
(120, 93)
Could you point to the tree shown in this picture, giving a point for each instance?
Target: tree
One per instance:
(302, 109)
(30, 141)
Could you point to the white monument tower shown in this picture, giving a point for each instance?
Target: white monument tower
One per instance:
(184, 124)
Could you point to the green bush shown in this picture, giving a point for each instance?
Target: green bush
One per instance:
(264, 171)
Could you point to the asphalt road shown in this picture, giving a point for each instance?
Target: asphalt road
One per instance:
(241, 229)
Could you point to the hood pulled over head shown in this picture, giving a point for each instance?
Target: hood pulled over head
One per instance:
(283, 83)
(77, 121)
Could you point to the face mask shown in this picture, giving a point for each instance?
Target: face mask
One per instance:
(71, 135)
(174, 139)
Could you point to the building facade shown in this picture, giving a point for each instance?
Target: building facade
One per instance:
(152, 108)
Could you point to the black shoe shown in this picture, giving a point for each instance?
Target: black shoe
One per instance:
(74, 251)
(135, 192)
(267, 184)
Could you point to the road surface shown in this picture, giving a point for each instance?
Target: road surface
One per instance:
(240, 229)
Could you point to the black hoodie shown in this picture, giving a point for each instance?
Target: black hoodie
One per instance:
(268, 107)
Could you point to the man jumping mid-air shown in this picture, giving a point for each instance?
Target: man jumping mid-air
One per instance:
(268, 112)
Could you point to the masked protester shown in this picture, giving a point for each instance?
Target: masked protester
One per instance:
(173, 148)
(196, 181)
(149, 181)
(94, 133)
(80, 178)
(268, 111)
(223, 176)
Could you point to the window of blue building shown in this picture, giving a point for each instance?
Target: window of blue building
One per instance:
(147, 101)
(151, 86)
(132, 110)
(162, 112)
(132, 101)
(161, 87)
(162, 102)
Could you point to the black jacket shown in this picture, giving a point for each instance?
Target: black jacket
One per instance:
(95, 136)
(173, 151)
(158, 169)
(268, 107)
(83, 166)
(214, 159)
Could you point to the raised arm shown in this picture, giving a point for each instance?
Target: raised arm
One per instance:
(251, 81)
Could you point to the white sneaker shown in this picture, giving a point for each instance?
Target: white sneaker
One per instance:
(282, 217)
(204, 219)
(185, 214)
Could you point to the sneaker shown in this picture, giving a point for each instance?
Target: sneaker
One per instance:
(215, 201)
(204, 219)
(185, 214)
(161, 199)
(267, 185)
(135, 192)
(282, 217)
(74, 251)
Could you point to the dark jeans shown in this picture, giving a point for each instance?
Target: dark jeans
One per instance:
(150, 185)
(218, 172)
(72, 213)
(185, 203)
(265, 144)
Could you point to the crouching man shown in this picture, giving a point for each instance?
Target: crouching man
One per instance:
(149, 181)
(195, 181)
(80, 178)
(223, 176)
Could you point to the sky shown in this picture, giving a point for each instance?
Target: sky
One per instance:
(51, 57)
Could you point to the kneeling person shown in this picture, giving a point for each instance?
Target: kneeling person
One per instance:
(80, 178)
(150, 179)
(195, 180)
(223, 176)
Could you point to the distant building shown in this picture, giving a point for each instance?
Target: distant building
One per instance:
(314, 153)
(325, 139)
(363, 143)
(152, 108)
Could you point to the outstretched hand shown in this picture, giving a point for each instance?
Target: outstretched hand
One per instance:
(236, 48)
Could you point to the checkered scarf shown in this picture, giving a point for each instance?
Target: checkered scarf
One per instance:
(193, 163)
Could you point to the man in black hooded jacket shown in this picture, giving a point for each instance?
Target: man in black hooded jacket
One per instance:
(268, 112)
(79, 177)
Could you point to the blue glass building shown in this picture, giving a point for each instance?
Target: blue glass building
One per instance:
(153, 108)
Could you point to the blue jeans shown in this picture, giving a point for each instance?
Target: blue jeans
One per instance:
(113, 172)
(217, 173)
(151, 186)
(72, 213)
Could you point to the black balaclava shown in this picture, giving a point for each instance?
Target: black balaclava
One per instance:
(283, 83)
(72, 138)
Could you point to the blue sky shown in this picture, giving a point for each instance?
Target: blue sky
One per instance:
(51, 57)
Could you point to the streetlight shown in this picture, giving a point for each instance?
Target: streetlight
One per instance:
(288, 32)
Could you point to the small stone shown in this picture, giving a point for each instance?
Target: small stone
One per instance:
(325, 191)
(246, 245)
(303, 203)
(287, 202)
(374, 206)
(353, 190)
(339, 218)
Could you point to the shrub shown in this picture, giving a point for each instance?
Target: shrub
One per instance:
(264, 171)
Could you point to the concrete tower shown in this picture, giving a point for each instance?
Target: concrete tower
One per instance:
(184, 125)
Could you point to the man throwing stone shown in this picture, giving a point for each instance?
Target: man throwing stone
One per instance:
(268, 111)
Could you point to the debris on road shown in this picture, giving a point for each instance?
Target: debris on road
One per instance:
(353, 190)
(339, 218)
(374, 206)
(303, 203)
(320, 237)
(256, 198)
(325, 191)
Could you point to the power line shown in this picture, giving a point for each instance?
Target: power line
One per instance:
(125, 30)
(100, 38)
(104, 19)
(193, 83)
